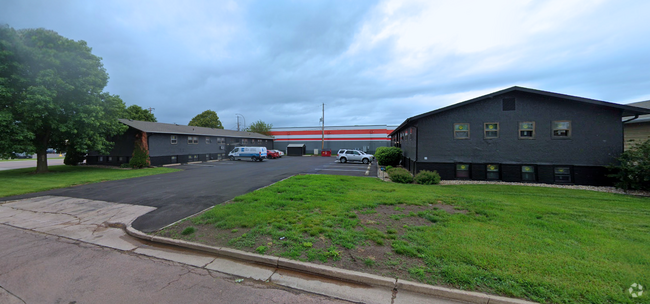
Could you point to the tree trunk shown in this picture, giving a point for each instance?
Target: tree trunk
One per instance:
(41, 161)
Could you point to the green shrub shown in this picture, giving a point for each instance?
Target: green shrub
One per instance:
(73, 158)
(125, 165)
(140, 157)
(400, 175)
(389, 167)
(388, 156)
(425, 177)
(633, 172)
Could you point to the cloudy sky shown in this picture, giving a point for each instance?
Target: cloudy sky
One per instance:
(370, 62)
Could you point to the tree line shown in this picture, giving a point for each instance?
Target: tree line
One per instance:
(52, 96)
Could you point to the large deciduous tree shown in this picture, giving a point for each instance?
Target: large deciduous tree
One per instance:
(260, 127)
(135, 112)
(51, 95)
(207, 119)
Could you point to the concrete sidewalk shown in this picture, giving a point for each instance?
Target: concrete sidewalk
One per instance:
(101, 223)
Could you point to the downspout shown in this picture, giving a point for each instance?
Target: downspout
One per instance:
(631, 119)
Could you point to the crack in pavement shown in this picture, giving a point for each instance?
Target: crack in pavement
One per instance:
(177, 279)
(12, 294)
(49, 212)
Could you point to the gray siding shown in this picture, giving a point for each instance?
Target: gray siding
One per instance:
(597, 133)
(160, 145)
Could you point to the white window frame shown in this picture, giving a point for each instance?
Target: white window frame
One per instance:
(173, 139)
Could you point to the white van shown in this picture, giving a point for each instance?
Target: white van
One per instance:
(252, 153)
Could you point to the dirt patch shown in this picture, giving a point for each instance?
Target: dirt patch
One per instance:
(369, 256)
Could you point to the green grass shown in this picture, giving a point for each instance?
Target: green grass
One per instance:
(21, 181)
(544, 244)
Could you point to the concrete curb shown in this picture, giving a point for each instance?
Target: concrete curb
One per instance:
(332, 272)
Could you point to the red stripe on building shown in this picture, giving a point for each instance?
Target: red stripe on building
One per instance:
(333, 139)
(339, 132)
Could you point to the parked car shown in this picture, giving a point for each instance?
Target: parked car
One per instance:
(272, 154)
(254, 153)
(50, 151)
(22, 155)
(346, 155)
(279, 152)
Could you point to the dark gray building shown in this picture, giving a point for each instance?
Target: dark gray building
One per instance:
(517, 134)
(173, 143)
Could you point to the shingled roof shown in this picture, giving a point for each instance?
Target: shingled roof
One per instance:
(157, 127)
(627, 110)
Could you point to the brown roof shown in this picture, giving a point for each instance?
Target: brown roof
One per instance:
(157, 127)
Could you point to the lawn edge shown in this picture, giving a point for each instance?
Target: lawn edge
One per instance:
(332, 272)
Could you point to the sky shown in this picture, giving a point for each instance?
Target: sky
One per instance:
(369, 62)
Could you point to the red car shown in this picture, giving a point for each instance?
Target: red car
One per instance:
(272, 154)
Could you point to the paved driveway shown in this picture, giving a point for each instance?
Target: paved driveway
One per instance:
(199, 186)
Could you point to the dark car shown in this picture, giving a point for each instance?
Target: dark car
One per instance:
(50, 151)
(272, 154)
(22, 155)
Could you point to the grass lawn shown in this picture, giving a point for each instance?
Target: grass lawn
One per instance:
(542, 244)
(21, 181)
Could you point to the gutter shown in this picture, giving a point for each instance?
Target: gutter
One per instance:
(631, 119)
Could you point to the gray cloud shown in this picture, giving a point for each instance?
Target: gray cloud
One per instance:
(278, 61)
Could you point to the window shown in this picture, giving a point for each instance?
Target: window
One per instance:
(461, 131)
(100, 159)
(259, 141)
(174, 139)
(509, 104)
(110, 159)
(207, 157)
(208, 140)
(194, 157)
(192, 140)
(120, 159)
(492, 171)
(244, 141)
(561, 129)
(196, 140)
(528, 173)
(491, 130)
(527, 130)
(562, 174)
(462, 171)
(174, 159)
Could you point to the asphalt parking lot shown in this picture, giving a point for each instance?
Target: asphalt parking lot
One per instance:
(203, 185)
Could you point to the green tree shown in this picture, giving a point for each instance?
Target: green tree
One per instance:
(135, 112)
(51, 96)
(260, 127)
(207, 119)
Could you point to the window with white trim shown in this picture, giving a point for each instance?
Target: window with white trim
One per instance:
(174, 139)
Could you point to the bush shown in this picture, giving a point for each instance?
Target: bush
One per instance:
(125, 165)
(634, 169)
(388, 168)
(425, 177)
(140, 157)
(73, 158)
(400, 175)
(388, 156)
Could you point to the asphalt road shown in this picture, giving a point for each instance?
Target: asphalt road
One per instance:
(200, 186)
(29, 163)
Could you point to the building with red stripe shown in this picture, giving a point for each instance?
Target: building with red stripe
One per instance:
(365, 138)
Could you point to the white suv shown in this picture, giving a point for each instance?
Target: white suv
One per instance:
(346, 155)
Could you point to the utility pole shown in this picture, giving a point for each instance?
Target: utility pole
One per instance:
(322, 145)
(151, 109)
